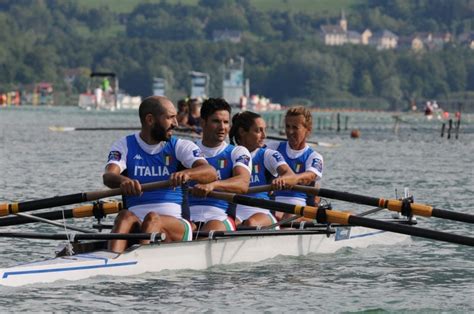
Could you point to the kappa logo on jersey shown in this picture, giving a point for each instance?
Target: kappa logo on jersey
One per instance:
(278, 157)
(115, 156)
(197, 153)
(243, 159)
(318, 164)
(138, 157)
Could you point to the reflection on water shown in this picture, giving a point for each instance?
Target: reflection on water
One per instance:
(422, 275)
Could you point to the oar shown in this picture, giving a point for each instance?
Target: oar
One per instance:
(119, 128)
(317, 143)
(57, 224)
(72, 237)
(100, 209)
(333, 216)
(13, 208)
(390, 204)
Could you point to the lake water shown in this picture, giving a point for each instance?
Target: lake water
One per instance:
(422, 276)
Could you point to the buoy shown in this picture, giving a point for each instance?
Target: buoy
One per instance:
(355, 133)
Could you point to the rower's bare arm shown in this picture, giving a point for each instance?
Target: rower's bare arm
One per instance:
(113, 179)
(238, 183)
(201, 172)
(286, 178)
(306, 177)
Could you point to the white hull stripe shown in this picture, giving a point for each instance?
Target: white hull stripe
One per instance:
(65, 269)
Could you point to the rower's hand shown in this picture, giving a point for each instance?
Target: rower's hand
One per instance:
(278, 184)
(131, 187)
(178, 178)
(202, 190)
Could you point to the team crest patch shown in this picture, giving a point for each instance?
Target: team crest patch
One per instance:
(168, 160)
(115, 156)
(221, 163)
(256, 168)
(278, 157)
(298, 168)
(197, 153)
(243, 159)
(318, 164)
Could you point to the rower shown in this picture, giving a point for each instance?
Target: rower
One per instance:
(268, 166)
(151, 155)
(233, 164)
(306, 163)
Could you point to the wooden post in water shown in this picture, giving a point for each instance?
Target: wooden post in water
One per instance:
(449, 128)
(331, 121)
(458, 123)
(338, 122)
(346, 122)
(442, 129)
(319, 123)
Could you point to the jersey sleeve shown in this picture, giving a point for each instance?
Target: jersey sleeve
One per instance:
(188, 152)
(272, 144)
(241, 157)
(315, 164)
(272, 160)
(118, 154)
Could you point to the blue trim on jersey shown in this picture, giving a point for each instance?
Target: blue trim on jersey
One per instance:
(148, 168)
(223, 164)
(298, 165)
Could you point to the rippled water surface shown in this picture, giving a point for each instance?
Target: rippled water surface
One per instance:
(422, 275)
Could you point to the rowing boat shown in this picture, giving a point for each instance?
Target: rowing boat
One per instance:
(330, 231)
(217, 249)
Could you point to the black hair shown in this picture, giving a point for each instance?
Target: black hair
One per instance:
(211, 105)
(244, 120)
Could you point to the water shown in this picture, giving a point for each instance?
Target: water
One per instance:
(422, 276)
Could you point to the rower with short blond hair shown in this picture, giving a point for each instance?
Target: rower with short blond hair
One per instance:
(303, 160)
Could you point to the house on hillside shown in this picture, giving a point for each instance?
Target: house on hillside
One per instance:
(365, 37)
(335, 35)
(339, 34)
(384, 40)
(232, 36)
(467, 39)
(426, 41)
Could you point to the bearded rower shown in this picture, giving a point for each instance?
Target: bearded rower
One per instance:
(153, 155)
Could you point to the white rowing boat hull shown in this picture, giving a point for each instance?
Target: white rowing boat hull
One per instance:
(192, 255)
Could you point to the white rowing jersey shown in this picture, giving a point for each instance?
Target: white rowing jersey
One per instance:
(150, 163)
(300, 161)
(265, 163)
(224, 158)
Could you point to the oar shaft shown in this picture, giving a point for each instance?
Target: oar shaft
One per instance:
(447, 214)
(84, 236)
(390, 204)
(13, 208)
(78, 212)
(410, 230)
(333, 216)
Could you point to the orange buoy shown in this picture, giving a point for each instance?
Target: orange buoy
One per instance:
(355, 133)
